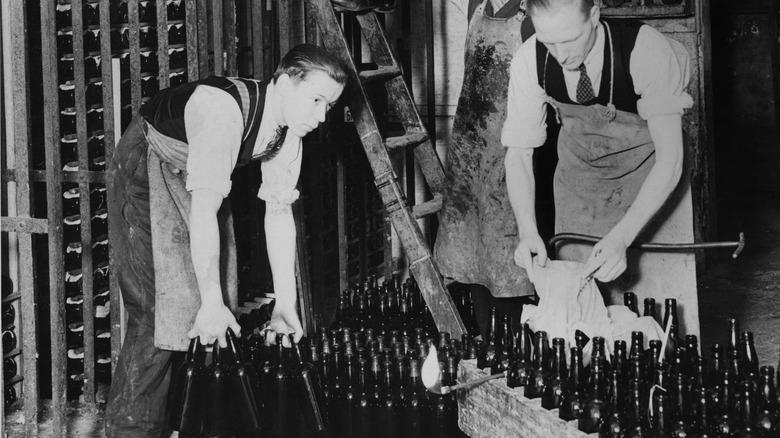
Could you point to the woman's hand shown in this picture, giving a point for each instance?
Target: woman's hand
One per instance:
(211, 323)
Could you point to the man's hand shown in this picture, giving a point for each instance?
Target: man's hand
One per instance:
(608, 258)
(212, 322)
(529, 245)
(284, 319)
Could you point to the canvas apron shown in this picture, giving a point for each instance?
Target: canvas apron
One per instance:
(477, 232)
(177, 298)
(604, 157)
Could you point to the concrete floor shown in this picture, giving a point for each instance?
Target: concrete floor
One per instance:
(747, 288)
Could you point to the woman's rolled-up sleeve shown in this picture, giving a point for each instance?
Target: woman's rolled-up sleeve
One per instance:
(280, 173)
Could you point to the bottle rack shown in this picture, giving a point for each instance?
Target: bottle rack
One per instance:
(12, 376)
(73, 245)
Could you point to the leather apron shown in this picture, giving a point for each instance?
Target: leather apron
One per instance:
(604, 157)
(477, 232)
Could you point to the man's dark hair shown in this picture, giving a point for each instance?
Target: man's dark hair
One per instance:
(306, 58)
(540, 5)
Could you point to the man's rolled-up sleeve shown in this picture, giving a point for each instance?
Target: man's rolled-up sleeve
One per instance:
(525, 125)
(660, 68)
(214, 127)
(280, 174)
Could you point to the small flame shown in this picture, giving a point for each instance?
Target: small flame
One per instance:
(431, 374)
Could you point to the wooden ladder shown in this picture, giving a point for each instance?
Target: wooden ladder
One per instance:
(378, 149)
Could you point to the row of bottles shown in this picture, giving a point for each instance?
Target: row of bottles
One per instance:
(368, 363)
(11, 342)
(638, 390)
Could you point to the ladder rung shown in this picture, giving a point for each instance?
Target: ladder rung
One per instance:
(410, 139)
(427, 207)
(380, 74)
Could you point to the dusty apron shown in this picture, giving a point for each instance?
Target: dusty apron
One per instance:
(148, 210)
(604, 157)
(178, 296)
(477, 232)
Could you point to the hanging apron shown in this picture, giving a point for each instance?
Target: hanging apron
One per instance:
(177, 298)
(477, 232)
(604, 157)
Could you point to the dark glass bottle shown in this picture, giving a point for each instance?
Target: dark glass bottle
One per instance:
(285, 392)
(733, 336)
(573, 397)
(717, 362)
(620, 360)
(661, 421)
(553, 391)
(9, 368)
(376, 392)
(702, 413)
(217, 379)
(471, 317)
(649, 309)
(724, 418)
(599, 350)
(670, 314)
(680, 426)
(345, 401)
(651, 359)
(186, 395)
(505, 352)
(637, 345)
(362, 418)
(746, 427)
(749, 356)
(414, 405)
(615, 425)
(629, 300)
(444, 407)
(489, 350)
(540, 373)
(636, 410)
(342, 314)
(768, 414)
(520, 367)
(594, 410)
(247, 405)
(388, 418)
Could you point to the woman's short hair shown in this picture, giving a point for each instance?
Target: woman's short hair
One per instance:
(306, 58)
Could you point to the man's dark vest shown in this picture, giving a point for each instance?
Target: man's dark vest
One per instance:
(624, 33)
(165, 111)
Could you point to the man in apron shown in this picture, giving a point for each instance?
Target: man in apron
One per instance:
(172, 237)
(618, 90)
(477, 233)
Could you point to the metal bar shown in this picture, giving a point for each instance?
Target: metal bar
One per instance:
(191, 25)
(229, 26)
(163, 60)
(203, 39)
(108, 78)
(21, 128)
(84, 207)
(217, 37)
(135, 55)
(51, 128)
(258, 40)
(652, 246)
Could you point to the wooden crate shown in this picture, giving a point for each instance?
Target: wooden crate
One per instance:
(494, 410)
